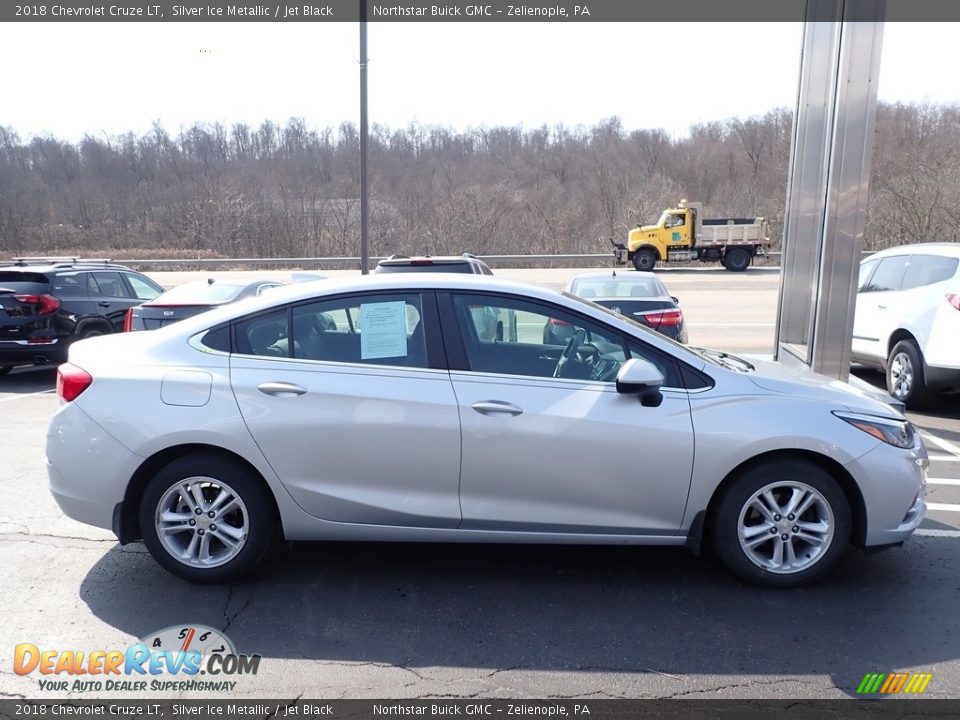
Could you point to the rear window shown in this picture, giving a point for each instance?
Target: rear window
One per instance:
(613, 287)
(442, 267)
(24, 281)
(200, 294)
(928, 269)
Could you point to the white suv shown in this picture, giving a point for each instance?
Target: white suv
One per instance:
(908, 319)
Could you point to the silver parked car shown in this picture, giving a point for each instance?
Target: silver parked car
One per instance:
(256, 421)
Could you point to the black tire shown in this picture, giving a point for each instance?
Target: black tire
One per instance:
(644, 260)
(736, 260)
(906, 360)
(725, 522)
(5, 369)
(261, 516)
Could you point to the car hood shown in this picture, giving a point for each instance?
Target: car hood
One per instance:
(802, 382)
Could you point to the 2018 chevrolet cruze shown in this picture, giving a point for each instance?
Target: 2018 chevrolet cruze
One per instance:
(373, 409)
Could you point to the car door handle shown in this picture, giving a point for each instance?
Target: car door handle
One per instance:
(103, 303)
(881, 307)
(280, 388)
(496, 407)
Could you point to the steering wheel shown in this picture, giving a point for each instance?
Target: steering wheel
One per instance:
(569, 351)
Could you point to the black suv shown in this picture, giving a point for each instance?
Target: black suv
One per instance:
(47, 303)
(465, 263)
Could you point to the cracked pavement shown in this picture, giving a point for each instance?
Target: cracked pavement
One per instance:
(449, 621)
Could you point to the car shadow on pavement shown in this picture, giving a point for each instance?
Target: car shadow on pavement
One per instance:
(601, 609)
(27, 380)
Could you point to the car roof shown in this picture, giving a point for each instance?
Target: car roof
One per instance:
(401, 259)
(61, 267)
(632, 275)
(944, 249)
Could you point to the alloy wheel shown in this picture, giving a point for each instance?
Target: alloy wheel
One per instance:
(786, 527)
(202, 522)
(901, 375)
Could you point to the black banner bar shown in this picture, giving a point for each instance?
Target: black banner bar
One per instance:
(480, 11)
(479, 709)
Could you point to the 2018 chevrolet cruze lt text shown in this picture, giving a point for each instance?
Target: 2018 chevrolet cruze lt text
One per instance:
(375, 409)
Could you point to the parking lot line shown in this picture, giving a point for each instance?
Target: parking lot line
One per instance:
(943, 481)
(931, 532)
(945, 507)
(26, 395)
(948, 446)
(944, 458)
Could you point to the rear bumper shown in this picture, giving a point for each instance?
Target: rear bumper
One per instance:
(88, 469)
(19, 352)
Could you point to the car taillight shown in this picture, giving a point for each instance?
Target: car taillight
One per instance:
(954, 299)
(421, 262)
(71, 381)
(663, 319)
(557, 322)
(46, 303)
(128, 320)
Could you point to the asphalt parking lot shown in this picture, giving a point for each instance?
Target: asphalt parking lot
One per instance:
(367, 620)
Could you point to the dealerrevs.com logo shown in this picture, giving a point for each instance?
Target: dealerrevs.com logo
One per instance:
(171, 660)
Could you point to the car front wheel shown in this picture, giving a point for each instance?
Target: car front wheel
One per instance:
(207, 518)
(782, 523)
(644, 260)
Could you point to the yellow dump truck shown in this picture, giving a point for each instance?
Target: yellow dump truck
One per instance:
(682, 234)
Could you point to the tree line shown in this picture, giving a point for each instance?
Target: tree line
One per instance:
(291, 190)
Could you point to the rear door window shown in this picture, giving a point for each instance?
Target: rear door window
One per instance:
(107, 284)
(889, 274)
(928, 269)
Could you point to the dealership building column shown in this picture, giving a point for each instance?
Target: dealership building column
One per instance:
(828, 182)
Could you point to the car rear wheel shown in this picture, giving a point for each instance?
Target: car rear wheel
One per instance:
(644, 260)
(736, 260)
(905, 379)
(207, 518)
(782, 523)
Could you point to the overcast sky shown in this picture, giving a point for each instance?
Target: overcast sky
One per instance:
(72, 79)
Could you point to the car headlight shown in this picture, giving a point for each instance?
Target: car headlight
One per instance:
(899, 433)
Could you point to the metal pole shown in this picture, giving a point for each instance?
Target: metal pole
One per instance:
(364, 248)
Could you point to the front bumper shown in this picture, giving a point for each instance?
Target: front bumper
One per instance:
(892, 482)
(620, 253)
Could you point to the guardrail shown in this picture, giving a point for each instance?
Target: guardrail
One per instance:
(321, 261)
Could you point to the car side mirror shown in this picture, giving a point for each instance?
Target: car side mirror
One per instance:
(672, 297)
(639, 377)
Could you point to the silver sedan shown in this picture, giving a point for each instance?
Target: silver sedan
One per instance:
(376, 409)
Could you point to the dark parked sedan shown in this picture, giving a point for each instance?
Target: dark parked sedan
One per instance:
(192, 298)
(640, 296)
